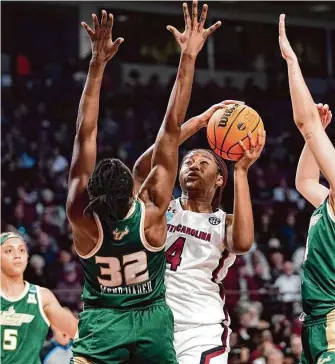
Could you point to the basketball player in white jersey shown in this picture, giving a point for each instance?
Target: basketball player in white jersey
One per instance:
(202, 243)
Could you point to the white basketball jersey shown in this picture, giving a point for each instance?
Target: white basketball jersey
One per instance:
(197, 262)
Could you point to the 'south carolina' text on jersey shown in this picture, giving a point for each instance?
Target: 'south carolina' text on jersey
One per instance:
(189, 231)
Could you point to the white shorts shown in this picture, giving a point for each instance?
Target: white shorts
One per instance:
(206, 344)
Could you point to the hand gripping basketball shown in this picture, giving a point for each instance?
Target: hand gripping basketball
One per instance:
(254, 151)
(206, 115)
(232, 124)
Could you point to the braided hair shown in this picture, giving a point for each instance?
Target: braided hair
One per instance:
(222, 170)
(110, 189)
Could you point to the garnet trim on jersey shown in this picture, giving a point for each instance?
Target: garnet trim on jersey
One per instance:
(206, 356)
(216, 272)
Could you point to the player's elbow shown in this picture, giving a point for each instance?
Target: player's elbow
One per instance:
(307, 118)
(85, 131)
(138, 169)
(172, 127)
(241, 245)
(73, 328)
(70, 212)
(73, 213)
(299, 184)
(243, 249)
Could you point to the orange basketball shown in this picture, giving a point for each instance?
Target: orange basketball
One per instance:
(229, 125)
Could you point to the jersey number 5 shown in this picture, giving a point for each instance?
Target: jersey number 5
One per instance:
(9, 339)
(173, 254)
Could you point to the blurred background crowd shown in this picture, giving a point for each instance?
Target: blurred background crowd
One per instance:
(40, 96)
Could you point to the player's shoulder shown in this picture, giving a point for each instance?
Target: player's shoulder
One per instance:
(330, 206)
(174, 203)
(326, 209)
(46, 295)
(221, 217)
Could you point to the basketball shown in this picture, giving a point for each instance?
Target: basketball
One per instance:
(229, 125)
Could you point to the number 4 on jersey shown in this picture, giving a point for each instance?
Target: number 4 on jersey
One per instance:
(173, 254)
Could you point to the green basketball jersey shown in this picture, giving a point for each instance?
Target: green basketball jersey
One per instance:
(24, 327)
(123, 271)
(318, 275)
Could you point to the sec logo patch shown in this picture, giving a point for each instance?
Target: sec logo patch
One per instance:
(214, 220)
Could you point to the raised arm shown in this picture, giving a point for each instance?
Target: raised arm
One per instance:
(240, 226)
(157, 189)
(142, 166)
(84, 149)
(307, 178)
(305, 113)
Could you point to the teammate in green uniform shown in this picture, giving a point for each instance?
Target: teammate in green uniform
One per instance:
(119, 237)
(318, 277)
(27, 310)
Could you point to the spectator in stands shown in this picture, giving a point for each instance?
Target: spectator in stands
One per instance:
(288, 285)
(277, 262)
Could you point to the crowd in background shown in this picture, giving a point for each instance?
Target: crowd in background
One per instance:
(38, 117)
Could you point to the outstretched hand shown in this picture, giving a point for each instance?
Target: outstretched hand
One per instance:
(285, 47)
(103, 48)
(254, 152)
(205, 116)
(325, 114)
(194, 36)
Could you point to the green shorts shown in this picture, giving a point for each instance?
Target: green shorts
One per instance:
(110, 336)
(318, 340)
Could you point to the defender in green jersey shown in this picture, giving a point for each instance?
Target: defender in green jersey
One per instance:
(318, 277)
(27, 310)
(119, 237)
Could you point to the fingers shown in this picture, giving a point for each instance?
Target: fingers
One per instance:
(323, 111)
(109, 25)
(243, 146)
(118, 42)
(282, 30)
(188, 23)
(195, 14)
(174, 31)
(252, 142)
(255, 147)
(203, 17)
(216, 107)
(212, 29)
(103, 19)
(88, 29)
(224, 103)
(261, 137)
(229, 102)
(329, 117)
(96, 26)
